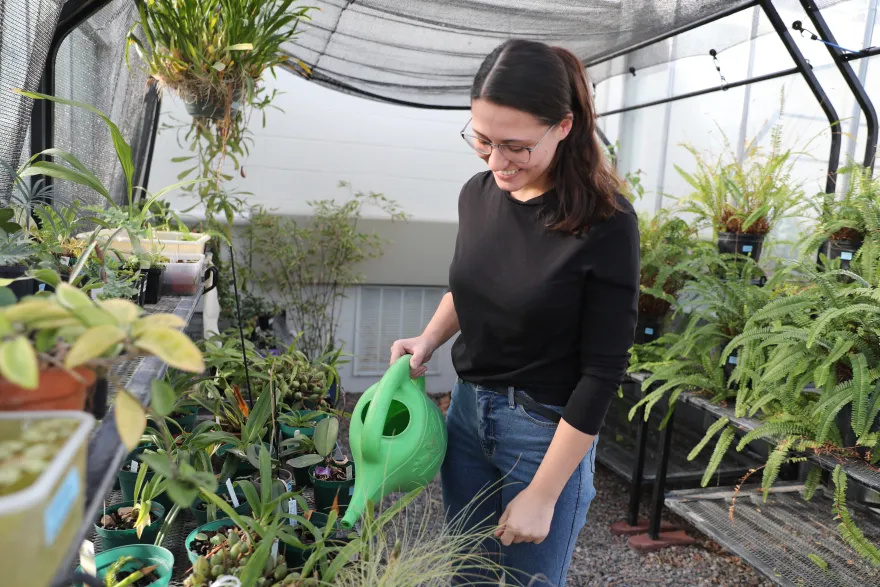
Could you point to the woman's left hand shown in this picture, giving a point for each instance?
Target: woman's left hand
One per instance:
(526, 519)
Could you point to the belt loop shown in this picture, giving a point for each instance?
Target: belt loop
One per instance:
(510, 399)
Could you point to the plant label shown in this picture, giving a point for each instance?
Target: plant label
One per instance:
(296, 434)
(291, 509)
(348, 473)
(732, 360)
(87, 558)
(351, 491)
(747, 248)
(232, 495)
(846, 256)
(134, 466)
(275, 549)
(649, 331)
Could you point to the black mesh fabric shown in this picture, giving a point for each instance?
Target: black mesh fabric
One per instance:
(91, 68)
(26, 29)
(426, 52)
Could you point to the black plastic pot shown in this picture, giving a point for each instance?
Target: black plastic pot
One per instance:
(98, 398)
(212, 106)
(844, 250)
(153, 286)
(730, 365)
(742, 244)
(21, 289)
(648, 328)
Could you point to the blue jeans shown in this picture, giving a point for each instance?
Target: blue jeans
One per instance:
(495, 448)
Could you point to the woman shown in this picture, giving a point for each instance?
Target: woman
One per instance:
(543, 288)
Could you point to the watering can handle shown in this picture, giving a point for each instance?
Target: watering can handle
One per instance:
(396, 375)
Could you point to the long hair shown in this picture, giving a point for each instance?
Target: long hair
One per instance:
(549, 83)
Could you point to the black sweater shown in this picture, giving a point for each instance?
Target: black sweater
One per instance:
(541, 310)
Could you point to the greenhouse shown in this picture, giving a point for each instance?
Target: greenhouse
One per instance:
(267, 321)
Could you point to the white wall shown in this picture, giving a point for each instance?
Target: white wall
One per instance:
(415, 157)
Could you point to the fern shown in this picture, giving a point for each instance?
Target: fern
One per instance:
(721, 447)
(713, 429)
(814, 477)
(847, 528)
(777, 458)
(774, 430)
(16, 248)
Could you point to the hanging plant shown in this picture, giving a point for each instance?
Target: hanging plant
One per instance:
(213, 53)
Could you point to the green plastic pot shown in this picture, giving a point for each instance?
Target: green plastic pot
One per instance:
(245, 468)
(290, 431)
(212, 526)
(146, 554)
(325, 491)
(115, 538)
(128, 478)
(187, 422)
(297, 557)
(201, 516)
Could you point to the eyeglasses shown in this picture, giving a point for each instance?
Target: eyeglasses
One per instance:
(513, 153)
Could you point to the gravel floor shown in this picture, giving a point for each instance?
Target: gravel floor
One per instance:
(602, 559)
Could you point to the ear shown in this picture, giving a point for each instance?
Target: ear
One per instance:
(566, 124)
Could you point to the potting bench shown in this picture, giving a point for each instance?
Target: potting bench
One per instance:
(105, 451)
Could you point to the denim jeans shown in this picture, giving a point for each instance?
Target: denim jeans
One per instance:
(495, 448)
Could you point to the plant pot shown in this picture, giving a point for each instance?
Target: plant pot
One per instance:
(730, 365)
(749, 245)
(115, 538)
(212, 106)
(21, 289)
(57, 390)
(326, 491)
(144, 553)
(127, 478)
(201, 516)
(844, 250)
(153, 288)
(290, 431)
(213, 526)
(297, 557)
(648, 329)
(187, 422)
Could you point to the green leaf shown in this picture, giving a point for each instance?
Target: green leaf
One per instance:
(240, 47)
(173, 347)
(160, 462)
(163, 398)
(325, 436)
(18, 362)
(7, 297)
(305, 461)
(93, 344)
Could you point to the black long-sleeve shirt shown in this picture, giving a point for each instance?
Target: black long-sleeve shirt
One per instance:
(545, 311)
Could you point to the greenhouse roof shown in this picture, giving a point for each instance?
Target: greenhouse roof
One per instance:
(425, 52)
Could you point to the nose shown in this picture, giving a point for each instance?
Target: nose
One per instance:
(497, 161)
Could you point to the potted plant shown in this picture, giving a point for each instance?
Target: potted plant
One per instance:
(743, 200)
(54, 341)
(239, 41)
(333, 480)
(843, 224)
(666, 243)
(300, 422)
(136, 521)
(135, 565)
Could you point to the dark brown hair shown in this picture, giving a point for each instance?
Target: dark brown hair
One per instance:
(548, 83)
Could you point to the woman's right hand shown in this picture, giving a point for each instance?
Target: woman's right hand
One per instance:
(421, 349)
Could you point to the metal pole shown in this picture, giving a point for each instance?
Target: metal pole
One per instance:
(855, 85)
(660, 479)
(638, 474)
(863, 75)
(667, 120)
(151, 127)
(694, 94)
(815, 87)
(747, 93)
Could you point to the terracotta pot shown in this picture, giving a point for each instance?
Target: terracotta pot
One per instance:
(57, 390)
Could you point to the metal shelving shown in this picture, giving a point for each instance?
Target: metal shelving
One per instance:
(778, 536)
(105, 451)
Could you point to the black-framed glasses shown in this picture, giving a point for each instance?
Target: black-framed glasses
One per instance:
(513, 153)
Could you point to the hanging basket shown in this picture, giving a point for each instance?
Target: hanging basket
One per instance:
(212, 106)
(749, 245)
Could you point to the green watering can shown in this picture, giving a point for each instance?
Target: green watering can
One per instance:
(397, 437)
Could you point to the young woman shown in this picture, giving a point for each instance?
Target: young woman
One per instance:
(543, 289)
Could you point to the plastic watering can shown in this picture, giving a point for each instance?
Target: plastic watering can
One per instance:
(397, 437)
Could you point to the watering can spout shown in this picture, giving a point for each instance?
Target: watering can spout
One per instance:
(397, 438)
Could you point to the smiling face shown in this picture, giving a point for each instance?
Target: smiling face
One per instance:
(504, 125)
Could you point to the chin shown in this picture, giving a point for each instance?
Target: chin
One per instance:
(512, 183)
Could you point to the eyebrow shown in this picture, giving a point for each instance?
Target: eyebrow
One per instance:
(505, 141)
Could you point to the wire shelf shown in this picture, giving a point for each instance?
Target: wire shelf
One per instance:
(777, 537)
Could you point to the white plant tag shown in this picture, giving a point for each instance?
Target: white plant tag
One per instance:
(348, 473)
(134, 466)
(292, 510)
(297, 433)
(231, 491)
(87, 558)
(275, 549)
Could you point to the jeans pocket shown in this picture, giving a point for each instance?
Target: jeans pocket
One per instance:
(536, 418)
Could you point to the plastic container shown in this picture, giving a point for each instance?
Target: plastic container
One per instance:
(749, 245)
(183, 278)
(164, 242)
(147, 554)
(201, 516)
(153, 288)
(327, 491)
(38, 524)
(212, 526)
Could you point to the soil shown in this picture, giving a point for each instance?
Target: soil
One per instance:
(337, 473)
(122, 519)
(142, 582)
(847, 234)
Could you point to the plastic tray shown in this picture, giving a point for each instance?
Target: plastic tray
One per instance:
(38, 524)
(164, 242)
(183, 279)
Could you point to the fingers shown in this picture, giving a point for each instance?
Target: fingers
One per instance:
(397, 351)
